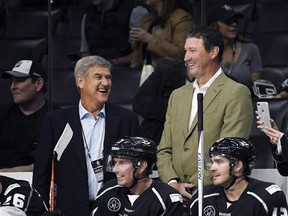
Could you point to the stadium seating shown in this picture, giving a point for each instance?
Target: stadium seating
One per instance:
(30, 22)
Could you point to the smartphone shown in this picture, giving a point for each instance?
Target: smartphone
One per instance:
(263, 113)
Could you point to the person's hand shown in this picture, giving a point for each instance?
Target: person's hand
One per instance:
(272, 132)
(185, 189)
(139, 34)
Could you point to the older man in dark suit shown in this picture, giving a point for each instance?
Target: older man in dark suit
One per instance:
(82, 136)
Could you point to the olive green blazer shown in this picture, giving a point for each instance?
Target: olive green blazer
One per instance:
(227, 111)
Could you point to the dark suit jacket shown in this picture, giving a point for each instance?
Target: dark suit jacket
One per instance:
(282, 159)
(71, 171)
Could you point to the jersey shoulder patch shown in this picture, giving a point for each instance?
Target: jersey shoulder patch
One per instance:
(273, 189)
(175, 197)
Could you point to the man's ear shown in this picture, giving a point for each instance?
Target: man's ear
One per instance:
(40, 84)
(239, 166)
(143, 166)
(80, 81)
(214, 52)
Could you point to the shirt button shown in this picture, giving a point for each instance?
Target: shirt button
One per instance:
(185, 176)
(186, 149)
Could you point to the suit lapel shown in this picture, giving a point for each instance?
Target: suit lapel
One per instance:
(209, 97)
(186, 109)
(77, 140)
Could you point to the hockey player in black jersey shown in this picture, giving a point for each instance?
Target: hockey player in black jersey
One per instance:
(18, 198)
(134, 192)
(233, 193)
(21, 198)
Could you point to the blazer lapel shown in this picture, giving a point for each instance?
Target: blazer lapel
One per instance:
(186, 109)
(77, 139)
(209, 97)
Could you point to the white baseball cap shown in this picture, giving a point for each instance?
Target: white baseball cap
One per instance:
(25, 68)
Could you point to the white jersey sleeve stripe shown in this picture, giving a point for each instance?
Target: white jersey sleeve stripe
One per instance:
(160, 200)
(260, 200)
(205, 196)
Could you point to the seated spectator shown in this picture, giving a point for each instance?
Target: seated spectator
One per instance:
(233, 192)
(18, 198)
(105, 30)
(20, 121)
(151, 100)
(131, 159)
(241, 59)
(162, 33)
(279, 145)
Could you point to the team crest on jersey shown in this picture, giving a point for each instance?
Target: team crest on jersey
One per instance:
(114, 204)
(209, 211)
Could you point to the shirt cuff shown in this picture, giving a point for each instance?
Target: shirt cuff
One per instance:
(172, 181)
(279, 146)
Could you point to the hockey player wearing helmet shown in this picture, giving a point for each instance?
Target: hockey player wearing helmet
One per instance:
(134, 192)
(19, 198)
(232, 191)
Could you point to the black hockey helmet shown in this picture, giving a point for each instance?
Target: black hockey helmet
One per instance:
(234, 148)
(135, 149)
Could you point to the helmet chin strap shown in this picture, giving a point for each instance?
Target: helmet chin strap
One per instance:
(135, 180)
(234, 178)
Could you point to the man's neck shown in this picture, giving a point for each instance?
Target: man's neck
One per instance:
(235, 191)
(93, 108)
(211, 71)
(141, 186)
(32, 107)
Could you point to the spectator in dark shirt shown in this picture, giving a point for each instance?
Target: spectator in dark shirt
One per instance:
(151, 100)
(279, 145)
(20, 122)
(105, 30)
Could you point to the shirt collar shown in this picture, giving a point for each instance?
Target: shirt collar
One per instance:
(207, 85)
(83, 113)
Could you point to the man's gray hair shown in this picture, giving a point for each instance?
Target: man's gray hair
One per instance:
(82, 65)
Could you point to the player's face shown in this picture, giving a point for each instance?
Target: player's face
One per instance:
(96, 86)
(196, 57)
(220, 170)
(123, 169)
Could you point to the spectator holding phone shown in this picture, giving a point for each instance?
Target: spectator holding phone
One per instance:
(279, 144)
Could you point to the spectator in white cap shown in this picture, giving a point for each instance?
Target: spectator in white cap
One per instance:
(21, 120)
(241, 58)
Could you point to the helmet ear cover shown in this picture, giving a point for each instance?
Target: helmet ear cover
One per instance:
(232, 162)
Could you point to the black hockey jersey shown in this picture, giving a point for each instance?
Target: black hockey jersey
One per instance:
(259, 198)
(20, 194)
(158, 199)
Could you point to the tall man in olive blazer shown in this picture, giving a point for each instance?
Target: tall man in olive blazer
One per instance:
(227, 111)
